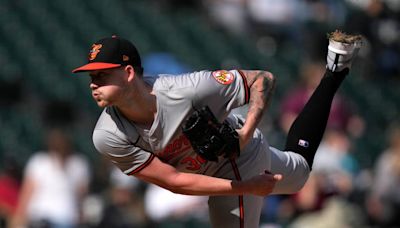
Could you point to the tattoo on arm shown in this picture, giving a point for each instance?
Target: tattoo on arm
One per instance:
(269, 84)
(262, 86)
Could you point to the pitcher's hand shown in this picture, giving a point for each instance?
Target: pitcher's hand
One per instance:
(263, 184)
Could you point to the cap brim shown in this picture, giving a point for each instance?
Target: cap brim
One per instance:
(95, 66)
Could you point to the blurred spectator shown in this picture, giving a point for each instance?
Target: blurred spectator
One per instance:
(54, 183)
(329, 12)
(337, 212)
(276, 14)
(124, 206)
(378, 21)
(383, 204)
(323, 201)
(289, 22)
(334, 157)
(276, 21)
(10, 181)
(284, 13)
(230, 14)
(334, 167)
(342, 117)
(164, 206)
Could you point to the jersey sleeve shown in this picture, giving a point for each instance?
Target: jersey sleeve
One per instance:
(221, 90)
(125, 155)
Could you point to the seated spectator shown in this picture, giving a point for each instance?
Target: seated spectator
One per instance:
(383, 204)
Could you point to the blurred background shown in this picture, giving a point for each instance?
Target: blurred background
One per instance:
(47, 114)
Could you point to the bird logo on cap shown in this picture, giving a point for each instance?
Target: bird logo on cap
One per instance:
(94, 51)
(125, 58)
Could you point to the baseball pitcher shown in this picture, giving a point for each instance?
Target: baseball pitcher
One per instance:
(177, 131)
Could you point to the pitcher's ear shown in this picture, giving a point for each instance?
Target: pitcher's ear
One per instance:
(130, 71)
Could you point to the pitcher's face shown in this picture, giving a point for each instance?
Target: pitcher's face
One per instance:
(107, 85)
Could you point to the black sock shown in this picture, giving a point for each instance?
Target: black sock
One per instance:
(307, 130)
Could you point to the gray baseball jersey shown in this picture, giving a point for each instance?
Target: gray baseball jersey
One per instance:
(131, 146)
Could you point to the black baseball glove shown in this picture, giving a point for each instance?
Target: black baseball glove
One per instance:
(209, 138)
